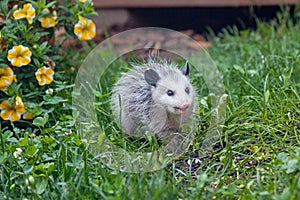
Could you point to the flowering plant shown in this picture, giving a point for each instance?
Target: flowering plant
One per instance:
(31, 54)
(36, 71)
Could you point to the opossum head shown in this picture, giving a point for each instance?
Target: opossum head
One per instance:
(171, 89)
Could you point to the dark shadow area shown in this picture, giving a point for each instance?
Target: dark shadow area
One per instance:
(199, 19)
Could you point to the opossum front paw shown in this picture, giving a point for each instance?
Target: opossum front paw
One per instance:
(178, 144)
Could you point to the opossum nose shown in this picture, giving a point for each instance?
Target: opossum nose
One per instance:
(185, 106)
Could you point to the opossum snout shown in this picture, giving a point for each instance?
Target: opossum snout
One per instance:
(182, 109)
(185, 106)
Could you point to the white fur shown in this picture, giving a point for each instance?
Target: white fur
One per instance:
(135, 103)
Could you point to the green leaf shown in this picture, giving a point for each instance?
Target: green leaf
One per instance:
(267, 95)
(202, 179)
(46, 118)
(37, 62)
(24, 141)
(4, 6)
(101, 137)
(239, 68)
(48, 140)
(43, 45)
(13, 139)
(49, 167)
(70, 30)
(39, 121)
(3, 65)
(6, 135)
(231, 189)
(32, 150)
(50, 4)
(27, 169)
(41, 184)
(40, 169)
(292, 166)
(266, 91)
(77, 141)
(53, 100)
(285, 195)
(283, 157)
(3, 157)
(48, 130)
(287, 77)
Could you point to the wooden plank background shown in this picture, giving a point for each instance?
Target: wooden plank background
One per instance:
(187, 3)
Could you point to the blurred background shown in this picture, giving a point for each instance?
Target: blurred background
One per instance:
(200, 16)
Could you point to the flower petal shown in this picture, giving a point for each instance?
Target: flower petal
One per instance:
(16, 62)
(3, 86)
(19, 14)
(38, 76)
(78, 28)
(48, 79)
(6, 114)
(7, 80)
(5, 105)
(11, 54)
(15, 116)
(25, 60)
(7, 71)
(42, 82)
(20, 109)
(6, 77)
(26, 51)
(27, 115)
(49, 71)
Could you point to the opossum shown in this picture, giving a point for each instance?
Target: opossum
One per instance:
(154, 96)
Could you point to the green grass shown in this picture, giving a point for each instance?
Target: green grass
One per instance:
(258, 156)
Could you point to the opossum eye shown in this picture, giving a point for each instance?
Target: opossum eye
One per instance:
(170, 93)
(187, 90)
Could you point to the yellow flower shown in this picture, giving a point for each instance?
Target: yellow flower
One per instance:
(85, 29)
(44, 75)
(6, 77)
(19, 56)
(48, 21)
(27, 12)
(12, 111)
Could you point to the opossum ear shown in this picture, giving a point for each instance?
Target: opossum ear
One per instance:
(186, 69)
(151, 77)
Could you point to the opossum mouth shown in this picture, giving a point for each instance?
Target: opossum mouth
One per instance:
(180, 110)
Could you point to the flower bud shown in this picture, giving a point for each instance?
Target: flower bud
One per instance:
(49, 91)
